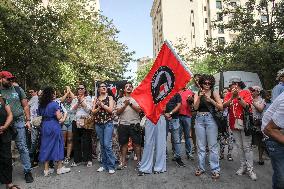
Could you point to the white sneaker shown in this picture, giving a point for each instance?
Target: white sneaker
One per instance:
(242, 170)
(111, 171)
(101, 169)
(252, 175)
(89, 164)
(74, 164)
(49, 172)
(63, 170)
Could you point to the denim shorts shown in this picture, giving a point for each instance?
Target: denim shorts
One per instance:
(67, 127)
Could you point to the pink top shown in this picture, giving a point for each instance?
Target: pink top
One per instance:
(185, 108)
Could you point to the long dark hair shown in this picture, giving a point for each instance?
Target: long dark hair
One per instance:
(47, 97)
(206, 77)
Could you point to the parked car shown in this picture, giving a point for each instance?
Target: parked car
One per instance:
(223, 78)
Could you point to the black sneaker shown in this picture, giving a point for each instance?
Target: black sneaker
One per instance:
(28, 177)
(179, 162)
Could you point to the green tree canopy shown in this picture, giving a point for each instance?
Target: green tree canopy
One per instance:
(59, 45)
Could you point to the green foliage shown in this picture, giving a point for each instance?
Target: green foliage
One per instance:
(143, 71)
(61, 45)
(258, 44)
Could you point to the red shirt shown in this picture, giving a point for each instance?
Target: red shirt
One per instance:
(185, 109)
(236, 110)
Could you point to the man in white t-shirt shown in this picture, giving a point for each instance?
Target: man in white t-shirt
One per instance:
(273, 127)
(129, 124)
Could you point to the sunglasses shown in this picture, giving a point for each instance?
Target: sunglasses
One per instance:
(81, 88)
(10, 79)
(206, 83)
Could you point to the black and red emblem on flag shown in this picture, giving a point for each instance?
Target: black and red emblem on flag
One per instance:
(166, 78)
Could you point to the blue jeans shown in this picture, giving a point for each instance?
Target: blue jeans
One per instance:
(104, 132)
(206, 131)
(174, 127)
(21, 143)
(185, 126)
(276, 154)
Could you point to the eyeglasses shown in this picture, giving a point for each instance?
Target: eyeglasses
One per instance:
(206, 83)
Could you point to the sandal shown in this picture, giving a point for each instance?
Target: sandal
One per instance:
(140, 173)
(198, 172)
(121, 167)
(229, 157)
(215, 175)
(14, 186)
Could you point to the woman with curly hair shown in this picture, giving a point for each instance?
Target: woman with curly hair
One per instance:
(52, 145)
(206, 128)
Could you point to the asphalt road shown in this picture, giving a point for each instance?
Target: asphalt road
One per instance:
(82, 177)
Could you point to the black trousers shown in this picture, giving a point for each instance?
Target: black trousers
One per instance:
(82, 144)
(5, 162)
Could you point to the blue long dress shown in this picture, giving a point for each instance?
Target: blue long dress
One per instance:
(52, 147)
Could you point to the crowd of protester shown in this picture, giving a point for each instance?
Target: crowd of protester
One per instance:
(64, 129)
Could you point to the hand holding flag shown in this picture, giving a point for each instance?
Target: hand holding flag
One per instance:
(166, 78)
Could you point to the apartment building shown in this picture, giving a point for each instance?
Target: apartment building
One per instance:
(191, 21)
(141, 62)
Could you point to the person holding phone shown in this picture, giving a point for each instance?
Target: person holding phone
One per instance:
(237, 100)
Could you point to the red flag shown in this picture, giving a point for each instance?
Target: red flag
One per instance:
(167, 77)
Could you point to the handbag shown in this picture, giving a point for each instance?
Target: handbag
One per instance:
(36, 121)
(219, 118)
(89, 122)
(248, 122)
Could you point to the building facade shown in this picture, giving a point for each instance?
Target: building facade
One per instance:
(190, 21)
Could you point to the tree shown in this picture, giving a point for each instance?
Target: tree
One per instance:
(143, 71)
(258, 46)
(59, 45)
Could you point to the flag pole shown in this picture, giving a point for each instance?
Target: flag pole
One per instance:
(178, 57)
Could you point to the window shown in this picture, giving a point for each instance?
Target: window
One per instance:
(205, 8)
(264, 18)
(207, 32)
(191, 0)
(219, 17)
(192, 23)
(221, 30)
(193, 36)
(219, 4)
(205, 20)
(191, 11)
(221, 40)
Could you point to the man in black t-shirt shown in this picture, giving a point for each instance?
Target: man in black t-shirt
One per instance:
(171, 114)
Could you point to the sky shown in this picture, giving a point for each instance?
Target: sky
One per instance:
(132, 19)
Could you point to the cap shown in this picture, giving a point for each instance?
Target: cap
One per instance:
(255, 88)
(235, 79)
(280, 73)
(6, 74)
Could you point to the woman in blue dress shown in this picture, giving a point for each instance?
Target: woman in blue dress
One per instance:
(52, 146)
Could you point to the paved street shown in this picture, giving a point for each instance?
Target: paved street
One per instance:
(83, 177)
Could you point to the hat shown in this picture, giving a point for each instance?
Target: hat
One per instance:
(255, 88)
(235, 79)
(280, 73)
(7, 75)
